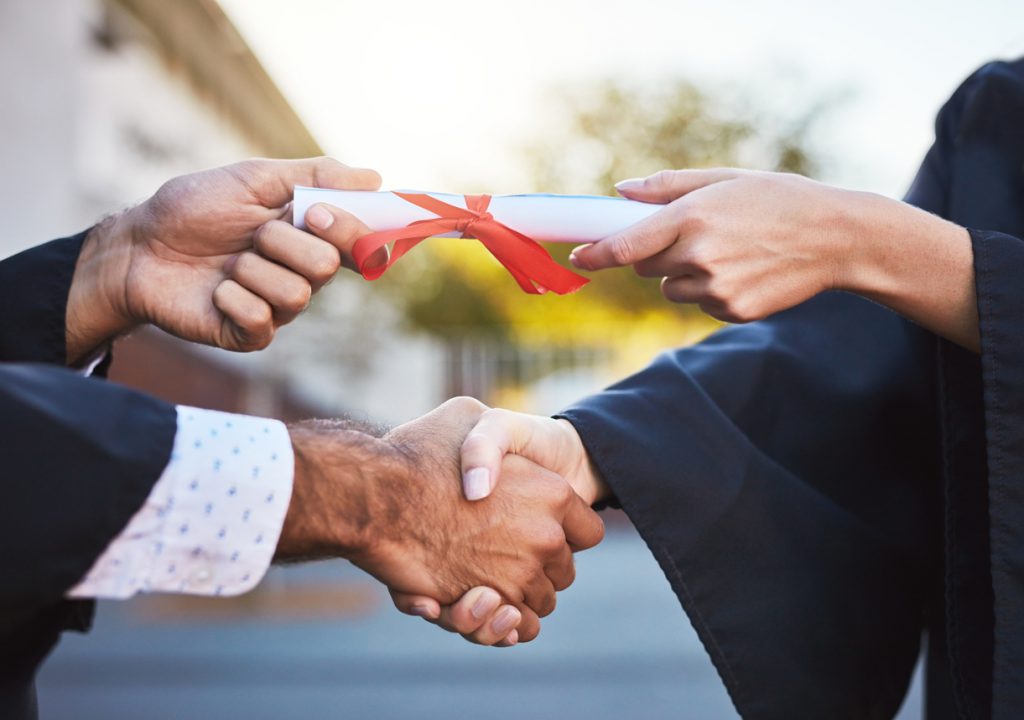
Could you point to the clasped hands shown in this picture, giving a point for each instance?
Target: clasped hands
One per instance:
(487, 569)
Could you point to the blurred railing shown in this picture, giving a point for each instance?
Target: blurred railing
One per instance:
(487, 368)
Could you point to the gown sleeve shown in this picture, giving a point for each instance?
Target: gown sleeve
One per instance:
(780, 474)
(33, 298)
(78, 458)
(999, 274)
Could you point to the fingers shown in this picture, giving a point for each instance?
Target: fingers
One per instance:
(529, 625)
(341, 230)
(286, 292)
(562, 571)
(637, 242)
(479, 615)
(686, 289)
(539, 595)
(582, 526)
(417, 605)
(667, 185)
(309, 256)
(651, 235)
(273, 181)
(248, 319)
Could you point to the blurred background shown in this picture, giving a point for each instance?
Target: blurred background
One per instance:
(106, 99)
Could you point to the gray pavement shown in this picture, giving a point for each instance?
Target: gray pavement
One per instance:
(617, 647)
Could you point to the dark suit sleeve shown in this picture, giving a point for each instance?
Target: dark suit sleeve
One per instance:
(80, 457)
(33, 299)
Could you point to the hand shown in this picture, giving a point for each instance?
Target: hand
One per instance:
(744, 245)
(211, 257)
(393, 507)
(553, 444)
(740, 244)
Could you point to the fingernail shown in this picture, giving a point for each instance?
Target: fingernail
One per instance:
(506, 620)
(476, 483)
(319, 217)
(512, 638)
(574, 256)
(485, 604)
(421, 610)
(630, 184)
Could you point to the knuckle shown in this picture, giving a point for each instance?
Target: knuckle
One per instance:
(547, 604)
(662, 180)
(300, 298)
(567, 579)
(671, 291)
(622, 250)
(738, 311)
(466, 404)
(256, 341)
(326, 267)
(243, 265)
(550, 540)
(529, 633)
(257, 319)
(718, 292)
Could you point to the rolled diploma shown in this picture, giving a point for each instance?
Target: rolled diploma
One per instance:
(548, 218)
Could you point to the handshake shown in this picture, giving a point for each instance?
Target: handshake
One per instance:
(485, 568)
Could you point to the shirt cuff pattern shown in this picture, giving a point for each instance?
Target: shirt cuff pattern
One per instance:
(211, 523)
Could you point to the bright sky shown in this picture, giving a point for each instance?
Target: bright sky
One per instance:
(439, 95)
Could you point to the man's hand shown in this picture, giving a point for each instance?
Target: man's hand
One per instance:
(553, 444)
(393, 507)
(211, 257)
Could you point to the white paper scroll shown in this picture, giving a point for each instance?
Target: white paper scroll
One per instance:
(549, 218)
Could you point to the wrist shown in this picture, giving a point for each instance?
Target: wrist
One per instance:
(96, 310)
(891, 244)
(335, 491)
(584, 476)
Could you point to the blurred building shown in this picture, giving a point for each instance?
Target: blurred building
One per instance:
(106, 99)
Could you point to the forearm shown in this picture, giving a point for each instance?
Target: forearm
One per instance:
(583, 474)
(915, 263)
(333, 503)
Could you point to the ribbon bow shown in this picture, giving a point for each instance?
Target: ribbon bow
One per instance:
(529, 263)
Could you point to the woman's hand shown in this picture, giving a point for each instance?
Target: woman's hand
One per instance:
(212, 258)
(744, 245)
(740, 244)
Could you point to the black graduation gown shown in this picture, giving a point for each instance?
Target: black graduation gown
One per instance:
(78, 457)
(818, 486)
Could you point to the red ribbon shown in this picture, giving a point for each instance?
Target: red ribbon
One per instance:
(529, 263)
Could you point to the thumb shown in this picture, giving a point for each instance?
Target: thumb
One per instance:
(498, 433)
(668, 185)
(274, 181)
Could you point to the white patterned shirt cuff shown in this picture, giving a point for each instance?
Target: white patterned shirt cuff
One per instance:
(211, 523)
